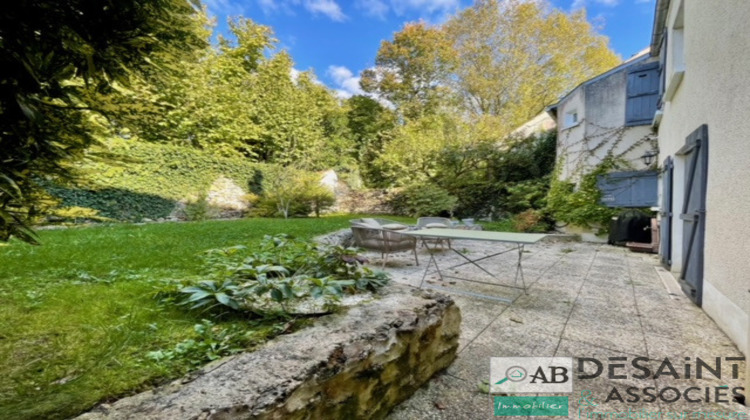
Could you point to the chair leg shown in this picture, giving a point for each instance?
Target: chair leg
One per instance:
(415, 255)
(385, 260)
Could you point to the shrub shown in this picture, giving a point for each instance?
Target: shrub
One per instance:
(498, 179)
(530, 221)
(197, 209)
(290, 192)
(75, 213)
(131, 180)
(423, 200)
(580, 205)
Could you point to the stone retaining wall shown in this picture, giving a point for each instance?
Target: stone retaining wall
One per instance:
(357, 364)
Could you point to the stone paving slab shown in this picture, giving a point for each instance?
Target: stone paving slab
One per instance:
(583, 301)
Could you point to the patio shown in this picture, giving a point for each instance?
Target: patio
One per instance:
(584, 300)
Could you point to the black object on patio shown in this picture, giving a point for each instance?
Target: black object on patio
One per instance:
(630, 226)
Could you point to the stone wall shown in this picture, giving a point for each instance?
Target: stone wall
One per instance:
(349, 200)
(357, 364)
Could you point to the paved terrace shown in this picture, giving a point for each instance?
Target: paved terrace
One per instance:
(584, 300)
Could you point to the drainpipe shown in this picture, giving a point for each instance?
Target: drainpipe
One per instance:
(660, 19)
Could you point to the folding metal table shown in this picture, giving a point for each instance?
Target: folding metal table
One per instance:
(520, 240)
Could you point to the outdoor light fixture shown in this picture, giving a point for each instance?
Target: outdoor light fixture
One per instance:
(648, 157)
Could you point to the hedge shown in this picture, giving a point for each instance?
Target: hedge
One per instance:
(132, 180)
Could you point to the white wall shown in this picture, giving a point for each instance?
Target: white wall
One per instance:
(715, 90)
(601, 108)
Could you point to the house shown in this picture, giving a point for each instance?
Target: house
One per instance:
(703, 126)
(610, 116)
(541, 123)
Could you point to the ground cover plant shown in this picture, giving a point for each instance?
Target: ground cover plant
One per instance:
(81, 320)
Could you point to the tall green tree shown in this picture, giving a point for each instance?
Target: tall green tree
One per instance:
(245, 98)
(63, 62)
(370, 125)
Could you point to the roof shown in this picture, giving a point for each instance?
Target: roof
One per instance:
(660, 19)
(642, 55)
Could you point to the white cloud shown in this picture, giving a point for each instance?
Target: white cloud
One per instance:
(328, 8)
(224, 7)
(430, 6)
(268, 6)
(294, 73)
(325, 7)
(579, 4)
(376, 8)
(347, 84)
(380, 8)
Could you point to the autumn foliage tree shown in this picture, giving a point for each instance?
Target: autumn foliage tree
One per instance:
(517, 57)
(412, 69)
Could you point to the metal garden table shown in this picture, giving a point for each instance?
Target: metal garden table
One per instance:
(519, 240)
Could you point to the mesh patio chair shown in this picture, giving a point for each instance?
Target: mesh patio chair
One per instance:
(378, 223)
(385, 241)
(433, 223)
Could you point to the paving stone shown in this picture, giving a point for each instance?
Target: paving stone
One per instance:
(584, 300)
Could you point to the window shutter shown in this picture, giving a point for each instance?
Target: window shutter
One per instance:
(629, 189)
(642, 94)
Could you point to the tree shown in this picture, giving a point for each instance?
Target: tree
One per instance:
(411, 70)
(245, 98)
(517, 57)
(370, 125)
(65, 62)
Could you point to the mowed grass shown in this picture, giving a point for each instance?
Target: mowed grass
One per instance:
(78, 313)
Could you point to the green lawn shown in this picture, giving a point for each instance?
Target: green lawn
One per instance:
(78, 314)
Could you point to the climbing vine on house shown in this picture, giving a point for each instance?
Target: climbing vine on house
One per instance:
(579, 203)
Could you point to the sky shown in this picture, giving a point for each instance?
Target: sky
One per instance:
(337, 39)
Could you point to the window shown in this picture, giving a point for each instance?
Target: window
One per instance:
(571, 118)
(642, 94)
(675, 54)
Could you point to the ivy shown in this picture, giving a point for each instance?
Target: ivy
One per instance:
(580, 205)
(130, 180)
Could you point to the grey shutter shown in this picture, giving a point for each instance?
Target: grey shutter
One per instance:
(629, 189)
(642, 94)
(693, 213)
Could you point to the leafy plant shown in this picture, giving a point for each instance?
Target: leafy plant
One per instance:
(423, 200)
(530, 221)
(580, 204)
(291, 192)
(281, 269)
(211, 342)
(199, 208)
(209, 292)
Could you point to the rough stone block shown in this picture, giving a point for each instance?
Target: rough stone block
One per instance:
(356, 364)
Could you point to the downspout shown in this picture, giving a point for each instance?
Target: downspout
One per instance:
(660, 18)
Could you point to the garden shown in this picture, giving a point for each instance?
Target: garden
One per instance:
(103, 312)
(114, 120)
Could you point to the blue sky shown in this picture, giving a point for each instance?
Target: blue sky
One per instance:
(340, 38)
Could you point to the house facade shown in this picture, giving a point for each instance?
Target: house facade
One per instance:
(703, 126)
(609, 116)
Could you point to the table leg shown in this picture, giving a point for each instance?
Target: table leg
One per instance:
(432, 261)
(519, 269)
